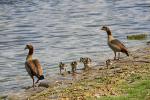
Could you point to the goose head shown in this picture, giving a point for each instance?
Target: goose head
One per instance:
(28, 46)
(105, 28)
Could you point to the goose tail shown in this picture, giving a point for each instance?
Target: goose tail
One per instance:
(41, 77)
(125, 51)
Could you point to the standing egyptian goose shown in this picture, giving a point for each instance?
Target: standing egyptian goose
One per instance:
(115, 44)
(33, 66)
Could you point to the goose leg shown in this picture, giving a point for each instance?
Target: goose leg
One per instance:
(33, 81)
(118, 55)
(60, 70)
(37, 81)
(115, 55)
(85, 66)
(65, 69)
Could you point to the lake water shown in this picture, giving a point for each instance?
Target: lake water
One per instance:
(63, 30)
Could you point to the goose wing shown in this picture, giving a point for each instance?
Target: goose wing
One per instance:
(118, 44)
(38, 66)
(33, 67)
(30, 67)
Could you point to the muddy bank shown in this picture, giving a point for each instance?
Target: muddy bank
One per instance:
(97, 82)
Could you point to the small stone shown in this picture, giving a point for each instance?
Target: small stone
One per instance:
(97, 95)
(69, 72)
(111, 75)
(112, 67)
(3, 97)
(101, 68)
(45, 84)
(148, 42)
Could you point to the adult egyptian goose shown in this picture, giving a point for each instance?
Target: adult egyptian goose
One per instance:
(33, 66)
(115, 44)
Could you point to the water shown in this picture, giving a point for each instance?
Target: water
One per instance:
(63, 30)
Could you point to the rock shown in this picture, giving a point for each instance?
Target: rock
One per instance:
(101, 68)
(34, 90)
(124, 68)
(148, 43)
(44, 84)
(3, 97)
(111, 75)
(47, 84)
(118, 70)
(112, 67)
(69, 72)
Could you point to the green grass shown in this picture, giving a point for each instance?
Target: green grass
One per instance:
(3, 97)
(137, 37)
(139, 90)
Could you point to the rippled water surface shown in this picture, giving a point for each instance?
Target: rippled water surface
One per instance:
(63, 30)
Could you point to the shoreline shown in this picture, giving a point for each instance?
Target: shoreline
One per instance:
(97, 73)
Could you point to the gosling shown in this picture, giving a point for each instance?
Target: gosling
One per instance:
(108, 63)
(74, 66)
(86, 61)
(62, 66)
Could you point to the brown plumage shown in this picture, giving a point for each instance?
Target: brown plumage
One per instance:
(115, 44)
(74, 66)
(33, 66)
(62, 66)
(86, 61)
(108, 62)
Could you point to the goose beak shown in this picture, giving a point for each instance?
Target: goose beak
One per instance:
(25, 48)
(102, 28)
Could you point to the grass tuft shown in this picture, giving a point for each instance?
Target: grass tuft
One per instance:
(137, 37)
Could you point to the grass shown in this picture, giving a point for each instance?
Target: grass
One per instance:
(147, 56)
(3, 97)
(137, 37)
(139, 90)
(135, 86)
